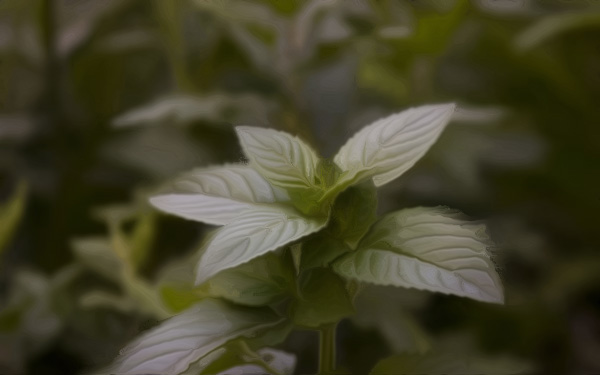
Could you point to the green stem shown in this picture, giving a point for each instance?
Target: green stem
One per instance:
(327, 359)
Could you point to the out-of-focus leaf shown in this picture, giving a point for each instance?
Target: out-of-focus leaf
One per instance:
(451, 356)
(160, 152)
(552, 26)
(390, 310)
(97, 254)
(11, 213)
(145, 295)
(16, 127)
(32, 316)
(176, 109)
(101, 299)
(141, 239)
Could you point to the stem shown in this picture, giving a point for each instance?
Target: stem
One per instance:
(327, 359)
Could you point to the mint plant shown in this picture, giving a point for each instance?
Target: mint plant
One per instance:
(298, 237)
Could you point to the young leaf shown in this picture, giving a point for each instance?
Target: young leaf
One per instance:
(281, 158)
(426, 248)
(390, 146)
(353, 213)
(322, 299)
(217, 195)
(253, 233)
(185, 338)
(259, 282)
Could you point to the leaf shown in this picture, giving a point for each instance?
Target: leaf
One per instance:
(159, 152)
(554, 25)
(217, 195)
(390, 146)
(259, 282)
(97, 254)
(179, 109)
(185, 338)
(452, 355)
(253, 233)
(320, 250)
(102, 299)
(322, 298)
(275, 362)
(281, 158)
(142, 238)
(238, 358)
(353, 212)
(147, 298)
(11, 213)
(391, 311)
(426, 248)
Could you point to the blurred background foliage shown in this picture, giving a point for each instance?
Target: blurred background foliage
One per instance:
(102, 101)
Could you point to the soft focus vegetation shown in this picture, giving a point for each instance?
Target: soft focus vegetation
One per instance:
(103, 101)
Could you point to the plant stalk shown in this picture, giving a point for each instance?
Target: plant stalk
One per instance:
(327, 357)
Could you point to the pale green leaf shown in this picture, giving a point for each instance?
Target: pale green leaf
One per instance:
(426, 248)
(281, 158)
(387, 148)
(254, 233)
(183, 339)
(259, 282)
(217, 195)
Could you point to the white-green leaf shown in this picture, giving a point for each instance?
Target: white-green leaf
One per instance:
(253, 233)
(390, 146)
(281, 158)
(217, 195)
(185, 338)
(426, 248)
